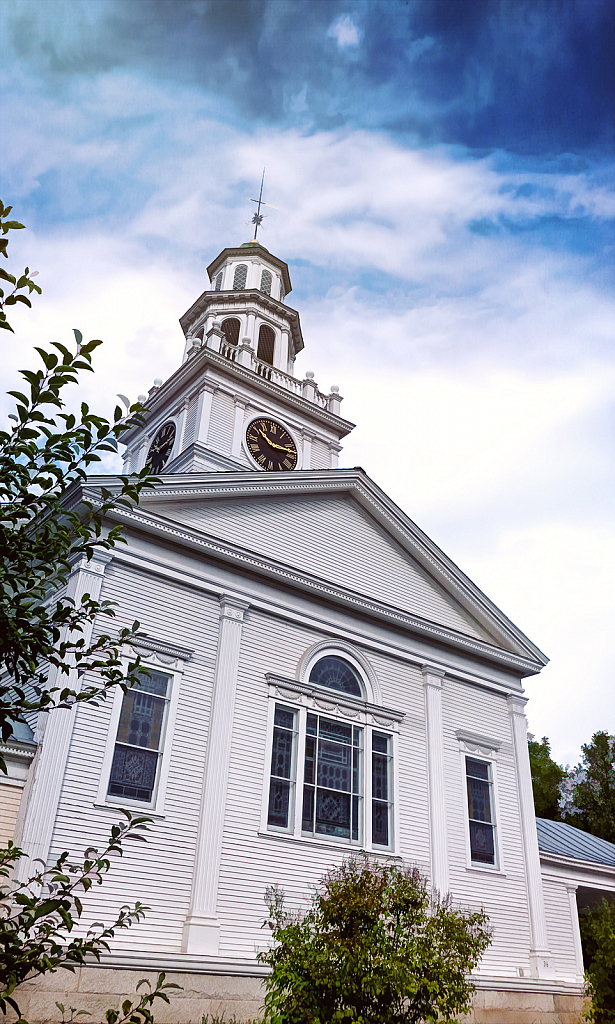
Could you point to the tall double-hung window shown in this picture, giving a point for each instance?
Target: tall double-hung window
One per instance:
(135, 767)
(331, 777)
(479, 782)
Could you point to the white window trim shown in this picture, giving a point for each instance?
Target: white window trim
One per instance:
(158, 663)
(302, 698)
(468, 747)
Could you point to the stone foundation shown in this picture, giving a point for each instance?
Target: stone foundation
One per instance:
(95, 989)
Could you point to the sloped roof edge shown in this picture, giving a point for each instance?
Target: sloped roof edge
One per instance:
(356, 482)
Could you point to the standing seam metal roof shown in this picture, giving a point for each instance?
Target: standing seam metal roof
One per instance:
(566, 841)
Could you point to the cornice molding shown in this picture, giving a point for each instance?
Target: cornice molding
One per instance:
(143, 643)
(314, 585)
(593, 867)
(334, 698)
(190, 376)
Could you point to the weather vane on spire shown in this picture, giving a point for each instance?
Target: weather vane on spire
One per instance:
(258, 217)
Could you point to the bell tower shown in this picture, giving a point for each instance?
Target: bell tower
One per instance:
(234, 403)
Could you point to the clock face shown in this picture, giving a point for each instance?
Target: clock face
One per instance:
(271, 445)
(161, 448)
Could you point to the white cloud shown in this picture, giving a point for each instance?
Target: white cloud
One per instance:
(345, 31)
(477, 367)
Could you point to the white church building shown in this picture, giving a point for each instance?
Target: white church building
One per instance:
(323, 681)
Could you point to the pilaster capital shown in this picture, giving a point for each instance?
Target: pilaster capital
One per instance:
(516, 704)
(233, 608)
(96, 564)
(240, 402)
(433, 675)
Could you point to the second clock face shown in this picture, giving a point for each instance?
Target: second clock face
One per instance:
(271, 445)
(161, 448)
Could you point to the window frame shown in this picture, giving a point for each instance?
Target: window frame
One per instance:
(490, 758)
(157, 803)
(308, 698)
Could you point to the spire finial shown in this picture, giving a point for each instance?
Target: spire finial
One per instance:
(258, 217)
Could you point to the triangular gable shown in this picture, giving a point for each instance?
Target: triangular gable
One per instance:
(329, 536)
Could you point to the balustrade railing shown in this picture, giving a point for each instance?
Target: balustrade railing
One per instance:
(271, 373)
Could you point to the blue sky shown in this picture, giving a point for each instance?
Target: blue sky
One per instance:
(443, 175)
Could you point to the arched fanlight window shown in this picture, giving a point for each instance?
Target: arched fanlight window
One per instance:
(337, 674)
(231, 329)
(241, 273)
(218, 284)
(266, 282)
(266, 342)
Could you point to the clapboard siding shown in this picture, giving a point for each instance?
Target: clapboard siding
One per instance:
(10, 798)
(559, 926)
(190, 426)
(251, 862)
(357, 553)
(321, 456)
(158, 874)
(220, 434)
(503, 895)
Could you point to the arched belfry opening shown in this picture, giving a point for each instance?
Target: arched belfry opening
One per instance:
(266, 342)
(230, 329)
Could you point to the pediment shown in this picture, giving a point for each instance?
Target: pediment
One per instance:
(338, 527)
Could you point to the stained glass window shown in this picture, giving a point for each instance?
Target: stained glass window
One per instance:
(332, 778)
(282, 768)
(337, 674)
(480, 811)
(382, 789)
(139, 740)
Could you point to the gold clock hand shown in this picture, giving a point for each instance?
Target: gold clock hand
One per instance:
(272, 444)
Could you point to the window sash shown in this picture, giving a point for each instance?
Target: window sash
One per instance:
(137, 753)
(479, 789)
(280, 808)
(382, 789)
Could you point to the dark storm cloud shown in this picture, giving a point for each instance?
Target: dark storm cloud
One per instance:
(531, 76)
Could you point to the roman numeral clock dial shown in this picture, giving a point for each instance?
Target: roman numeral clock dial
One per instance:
(160, 449)
(271, 445)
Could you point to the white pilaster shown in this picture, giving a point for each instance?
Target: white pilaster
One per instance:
(203, 412)
(280, 351)
(306, 455)
(438, 848)
(40, 816)
(240, 412)
(540, 954)
(576, 931)
(202, 928)
(180, 430)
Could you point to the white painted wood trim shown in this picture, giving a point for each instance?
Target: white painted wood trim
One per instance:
(240, 410)
(438, 846)
(540, 954)
(36, 835)
(576, 931)
(203, 412)
(202, 928)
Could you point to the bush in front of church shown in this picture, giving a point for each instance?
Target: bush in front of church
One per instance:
(375, 947)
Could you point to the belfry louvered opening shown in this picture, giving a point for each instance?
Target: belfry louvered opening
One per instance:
(241, 274)
(266, 343)
(230, 329)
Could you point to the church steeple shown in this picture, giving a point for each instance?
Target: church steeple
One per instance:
(235, 395)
